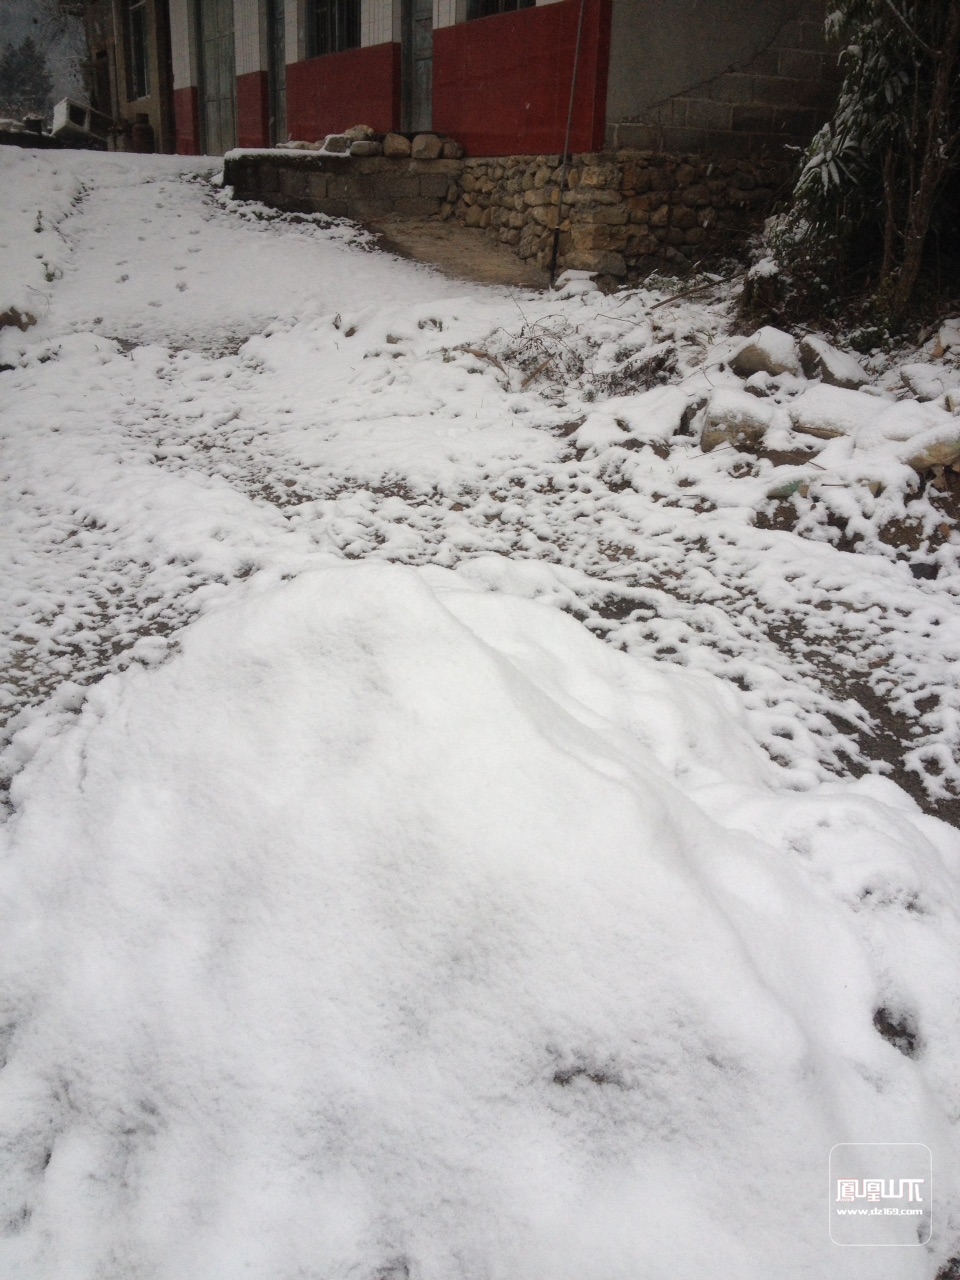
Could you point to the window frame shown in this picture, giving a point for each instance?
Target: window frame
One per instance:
(136, 30)
(334, 26)
(477, 9)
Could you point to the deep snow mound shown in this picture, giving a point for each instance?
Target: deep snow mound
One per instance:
(397, 929)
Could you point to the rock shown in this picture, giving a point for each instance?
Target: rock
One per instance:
(451, 150)
(929, 381)
(924, 569)
(939, 453)
(474, 216)
(787, 488)
(366, 147)
(337, 143)
(951, 401)
(606, 262)
(949, 335)
(819, 359)
(732, 417)
(767, 351)
(359, 133)
(426, 146)
(13, 318)
(395, 144)
(825, 412)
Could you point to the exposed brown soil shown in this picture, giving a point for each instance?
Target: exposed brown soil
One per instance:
(462, 252)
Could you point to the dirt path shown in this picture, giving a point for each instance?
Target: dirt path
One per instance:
(463, 252)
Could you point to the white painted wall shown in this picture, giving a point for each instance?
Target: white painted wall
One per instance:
(295, 24)
(376, 21)
(249, 23)
(183, 44)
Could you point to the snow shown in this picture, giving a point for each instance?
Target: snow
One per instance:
(394, 922)
(433, 849)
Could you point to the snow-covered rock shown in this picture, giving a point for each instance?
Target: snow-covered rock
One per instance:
(599, 431)
(734, 417)
(826, 411)
(656, 414)
(929, 381)
(768, 350)
(836, 368)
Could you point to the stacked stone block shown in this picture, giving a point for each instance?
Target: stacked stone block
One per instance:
(623, 213)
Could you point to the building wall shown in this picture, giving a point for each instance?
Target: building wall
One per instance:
(106, 36)
(733, 78)
(721, 77)
(330, 93)
(253, 109)
(501, 85)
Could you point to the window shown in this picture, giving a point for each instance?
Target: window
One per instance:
(138, 66)
(335, 26)
(484, 8)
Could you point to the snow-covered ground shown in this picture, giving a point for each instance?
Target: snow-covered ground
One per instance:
(448, 830)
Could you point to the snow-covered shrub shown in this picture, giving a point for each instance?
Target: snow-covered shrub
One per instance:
(876, 179)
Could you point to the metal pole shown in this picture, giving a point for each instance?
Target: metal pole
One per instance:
(564, 168)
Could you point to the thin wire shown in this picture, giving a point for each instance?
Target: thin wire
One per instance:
(566, 144)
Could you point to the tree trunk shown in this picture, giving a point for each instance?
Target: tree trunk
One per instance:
(933, 168)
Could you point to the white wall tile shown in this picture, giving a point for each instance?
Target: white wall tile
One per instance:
(294, 17)
(376, 22)
(248, 36)
(183, 45)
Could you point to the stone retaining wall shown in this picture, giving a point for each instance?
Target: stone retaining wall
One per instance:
(624, 213)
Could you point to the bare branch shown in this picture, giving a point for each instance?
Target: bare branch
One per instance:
(909, 30)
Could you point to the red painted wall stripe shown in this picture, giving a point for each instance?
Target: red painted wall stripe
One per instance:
(327, 94)
(501, 85)
(253, 110)
(186, 114)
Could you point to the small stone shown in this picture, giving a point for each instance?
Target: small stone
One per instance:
(359, 133)
(942, 454)
(13, 318)
(337, 143)
(426, 146)
(366, 147)
(395, 144)
(474, 216)
(451, 149)
(770, 351)
(733, 417)
(836, 368)
(600, 175)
